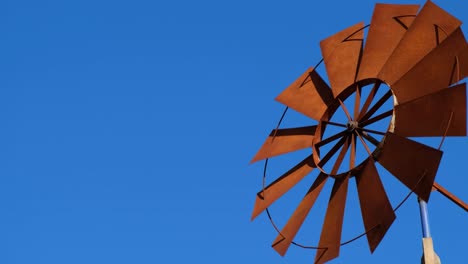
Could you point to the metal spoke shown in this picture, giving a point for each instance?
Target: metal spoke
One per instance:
(345, 110)
(357, 102)
(365, 144)
(332, 151)
(334, 124)
(377, 105)
(377, 118)
(330, 139)
(370, 138)
(369, 99)
(340, 158)
(352, 156)
(372, 131)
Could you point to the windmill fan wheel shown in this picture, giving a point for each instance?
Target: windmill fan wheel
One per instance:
(421, 55)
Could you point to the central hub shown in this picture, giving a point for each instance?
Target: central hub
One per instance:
(352, 125)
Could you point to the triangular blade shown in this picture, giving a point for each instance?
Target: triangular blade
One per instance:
(388, 25)
(279, 187)
(377, 212)
(331, 231)
(286, 140)
(413, 163)
(421, 37)
(289, 231)
(309, 95)
(434, 72)
(341, 53)
(439, 114)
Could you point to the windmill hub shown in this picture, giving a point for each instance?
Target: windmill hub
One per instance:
(352, 125)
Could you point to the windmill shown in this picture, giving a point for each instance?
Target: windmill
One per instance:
(415, 59)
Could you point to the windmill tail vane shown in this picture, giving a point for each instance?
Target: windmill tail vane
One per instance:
(406, 73)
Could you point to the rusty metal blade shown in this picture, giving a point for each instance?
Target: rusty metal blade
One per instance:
(333, 224)
(279, 187)
(434, 72)
(286, 140)
(341, 53)
(285, 238)
(431, 26)
(388, 25)
(309, 95)
(462, 70)
(377, 212)
(413, 163)
(433, 113)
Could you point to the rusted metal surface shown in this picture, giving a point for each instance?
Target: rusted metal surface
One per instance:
(284, 239)
(462, 69)
(279, 187)
(413, 163)
(283, 141)
(341, 54)
(421, 37)
(432, 113)
(388, 25)
(309, 95)
(422, 58)
(434, 72)
(377, 212)
(331, 231)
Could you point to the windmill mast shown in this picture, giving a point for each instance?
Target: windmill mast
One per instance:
(429, 255)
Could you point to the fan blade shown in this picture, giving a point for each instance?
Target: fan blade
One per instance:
(434, 72)
(423, 35)
(285, 238)
(433, 113)
(309, 95)
(413, 163)
(377, 212)
(462, 71)
(331, 231)
(281, 185)
(341, 53)
(388, 25)
(282, 141)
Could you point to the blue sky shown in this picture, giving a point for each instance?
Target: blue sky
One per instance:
(126, 128)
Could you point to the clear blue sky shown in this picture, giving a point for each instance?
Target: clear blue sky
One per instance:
(126, 128)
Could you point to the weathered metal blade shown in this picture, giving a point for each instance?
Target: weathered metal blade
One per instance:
(413, 163)
(286, 140)
(462, 70)
(285, 238)
(434, 72)
(309, 95)
(279, 187)
(333, 224)
(433, 113)
(377, 212)
(388, 25)
(341, 53)
(431, 26)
